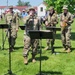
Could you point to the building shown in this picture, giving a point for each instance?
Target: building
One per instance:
(41, 9)
(15, 8)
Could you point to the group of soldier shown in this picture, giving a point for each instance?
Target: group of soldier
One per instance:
(12, 19)
(66, 19)
(32, 22)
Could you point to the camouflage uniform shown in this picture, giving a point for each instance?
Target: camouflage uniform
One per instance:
(31, 23)
(13, 20)
(52, 21)
(66, 30)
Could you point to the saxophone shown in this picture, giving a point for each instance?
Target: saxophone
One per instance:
(64, 23)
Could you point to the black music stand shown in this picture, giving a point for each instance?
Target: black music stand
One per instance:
(53, 28)
(40, 35)
(3, 26)
(22, 27)
(10, 49)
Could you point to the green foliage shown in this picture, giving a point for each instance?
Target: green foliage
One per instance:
(22, 3)
(58, 4)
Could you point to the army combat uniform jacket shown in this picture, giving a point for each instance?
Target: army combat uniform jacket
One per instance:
(66, 29)
(13, 20)
(52, 20)
(31, 23)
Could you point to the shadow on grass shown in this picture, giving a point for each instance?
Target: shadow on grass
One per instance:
(58, 36)
(9, 74)
(15, 48)
(58, 52)
(20, 47)
(57, 47)
(72, 35)
(38, 58)
(72, 49)
(50, 73)
(41, 47)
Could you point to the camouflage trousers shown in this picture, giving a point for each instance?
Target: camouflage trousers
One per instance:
(12, 42)
(12, 36)
(28, 42)
(51, 40)
(65, 36)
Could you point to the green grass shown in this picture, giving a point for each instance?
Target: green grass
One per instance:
(60, 64)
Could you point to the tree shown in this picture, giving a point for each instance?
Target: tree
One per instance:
(22, 3)
(58, 4)
(27, 4)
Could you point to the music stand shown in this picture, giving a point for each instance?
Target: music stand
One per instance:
(3, 26)
(43, 34)
(22, 27)
(10, 49)
(53, 28)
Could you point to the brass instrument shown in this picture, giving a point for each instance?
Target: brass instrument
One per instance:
(64, 24)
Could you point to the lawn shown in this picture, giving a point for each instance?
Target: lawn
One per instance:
(60, 64)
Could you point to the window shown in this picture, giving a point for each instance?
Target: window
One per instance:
(41, 9)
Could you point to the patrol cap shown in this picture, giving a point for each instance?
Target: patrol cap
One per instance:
(65, 7)
(51, 7)
(11, 7)
(31, 8)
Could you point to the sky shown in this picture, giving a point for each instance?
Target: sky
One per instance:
(14, 2)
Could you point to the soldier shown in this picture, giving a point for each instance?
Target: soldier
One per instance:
(24, 13)
(31, 23)
(51, 21)
(12, 19)
(66, 20)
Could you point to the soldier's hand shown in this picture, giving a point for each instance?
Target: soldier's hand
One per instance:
(16, 30)
(65, 21)
(46, 23)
